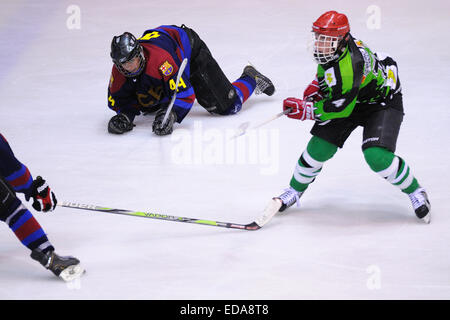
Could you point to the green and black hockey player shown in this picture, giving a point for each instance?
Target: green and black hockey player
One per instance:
(353, 87)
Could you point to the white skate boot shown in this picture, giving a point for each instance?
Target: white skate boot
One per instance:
(421, 204)
(288, 198)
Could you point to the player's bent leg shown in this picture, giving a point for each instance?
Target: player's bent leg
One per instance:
(21, 221)
(310, 163)
(29, 232)
(397, 172)
(306, 170)
(213, 90)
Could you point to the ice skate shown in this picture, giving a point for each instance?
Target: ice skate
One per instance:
(288, 198)
(67, 268)
(421, 204)
(263, 84)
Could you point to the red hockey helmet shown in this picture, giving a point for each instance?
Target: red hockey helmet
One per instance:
(330, 34)
(332, 23)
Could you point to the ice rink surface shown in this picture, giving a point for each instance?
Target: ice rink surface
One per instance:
(354, 237)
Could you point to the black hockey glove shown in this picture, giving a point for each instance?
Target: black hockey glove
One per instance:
(158, 128)
(43, 197)
(119, 124)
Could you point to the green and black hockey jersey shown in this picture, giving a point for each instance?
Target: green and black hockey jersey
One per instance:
(358, 76)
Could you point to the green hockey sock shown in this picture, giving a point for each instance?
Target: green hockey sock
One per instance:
(391, 167)
(311, 161)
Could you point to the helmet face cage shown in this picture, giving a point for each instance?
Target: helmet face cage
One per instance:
(138, 52)
(324, 48)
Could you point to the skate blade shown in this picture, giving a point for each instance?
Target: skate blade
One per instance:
(270, 210)
(427, 218)
(71, 273)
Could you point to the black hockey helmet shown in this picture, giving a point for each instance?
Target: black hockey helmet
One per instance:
(124, 48)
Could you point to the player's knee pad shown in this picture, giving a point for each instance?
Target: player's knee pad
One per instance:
(321, 150)
(213, 90)
(378, 158)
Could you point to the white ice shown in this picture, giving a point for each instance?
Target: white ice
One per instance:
(354, 237)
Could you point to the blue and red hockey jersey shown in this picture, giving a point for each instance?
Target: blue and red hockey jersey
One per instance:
(165, 48)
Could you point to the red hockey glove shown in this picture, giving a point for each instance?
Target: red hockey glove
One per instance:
(312, 92)
(43, 198)
(301, 109)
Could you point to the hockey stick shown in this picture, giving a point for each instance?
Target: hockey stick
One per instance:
(244, 126)
(268, 213)
(169, 108)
